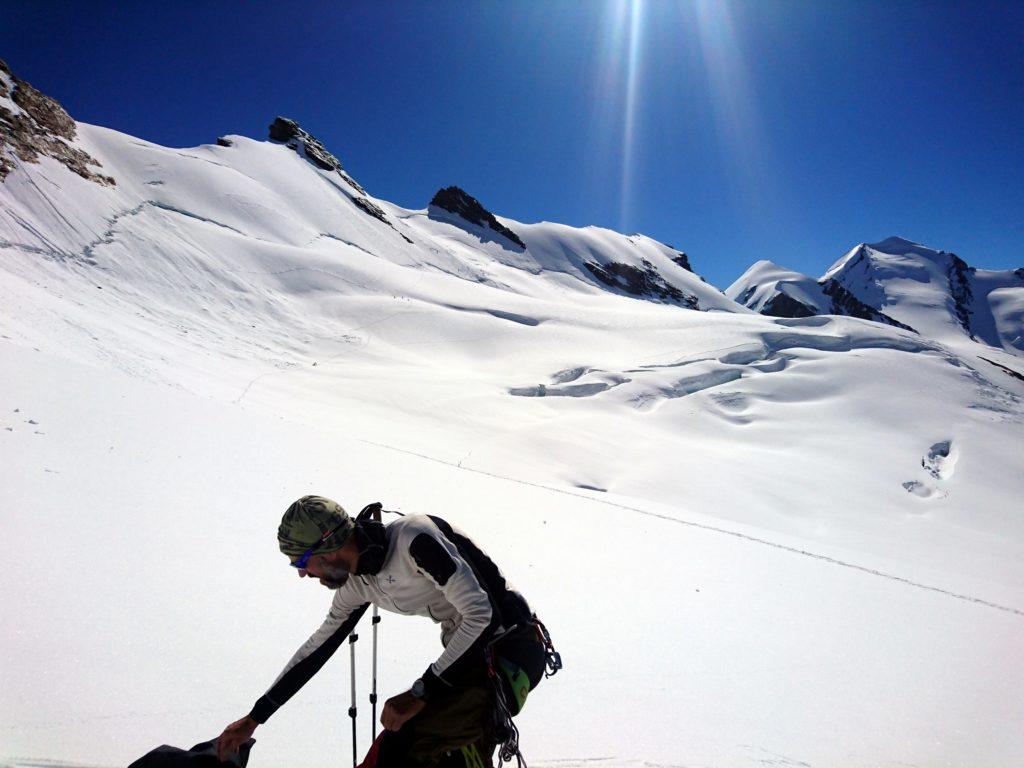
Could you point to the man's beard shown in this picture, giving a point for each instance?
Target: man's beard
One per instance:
(334, 577)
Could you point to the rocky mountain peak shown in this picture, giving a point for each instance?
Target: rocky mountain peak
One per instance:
(935, 291)
(778, 292)
(33, 124)
(465, 206)
(308, 146)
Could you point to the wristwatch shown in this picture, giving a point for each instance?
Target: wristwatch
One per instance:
(419, 689)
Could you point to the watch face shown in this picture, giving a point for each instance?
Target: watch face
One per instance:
(418, 689)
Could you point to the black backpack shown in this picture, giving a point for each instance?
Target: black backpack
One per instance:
(200, 756)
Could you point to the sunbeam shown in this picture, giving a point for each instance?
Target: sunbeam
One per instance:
(614, 124)
(630, 114)
(733, 105)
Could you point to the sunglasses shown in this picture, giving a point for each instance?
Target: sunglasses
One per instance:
(303, 561)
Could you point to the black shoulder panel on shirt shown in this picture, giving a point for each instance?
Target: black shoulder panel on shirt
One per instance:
(432, 558)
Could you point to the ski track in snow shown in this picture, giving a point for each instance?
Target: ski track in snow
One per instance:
(774, 758)
(107, 236)
(713, 528)
(737, 356)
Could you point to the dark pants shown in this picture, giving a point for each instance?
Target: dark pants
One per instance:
(461, 718)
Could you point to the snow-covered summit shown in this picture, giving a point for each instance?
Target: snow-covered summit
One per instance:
(779, 292)
(936, 292)
(292, 191)
(773, 290)
(901, 283)
(901, 245)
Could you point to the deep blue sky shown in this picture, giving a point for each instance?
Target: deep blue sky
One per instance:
(735, 131)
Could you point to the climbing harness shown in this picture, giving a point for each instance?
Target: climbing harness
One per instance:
(503, 728)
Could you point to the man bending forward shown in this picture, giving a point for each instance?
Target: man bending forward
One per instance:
(421, 565)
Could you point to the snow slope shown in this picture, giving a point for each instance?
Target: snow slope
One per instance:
(785, 541)
(162, 609)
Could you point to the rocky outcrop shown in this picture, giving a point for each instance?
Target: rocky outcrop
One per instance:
(465, 206)
(372, 209)
(224, 141)
(308, 146)
(1007, 371)
(845, 303)
(682, 260)
(747, 296)
(784, 305)
(644, 283)
(959, 275)
(33, 125)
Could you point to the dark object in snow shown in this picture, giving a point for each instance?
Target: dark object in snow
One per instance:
(640, 282)
(224, 141)
(40, 126)
(200, 756)
(464, 205)
(309, 147)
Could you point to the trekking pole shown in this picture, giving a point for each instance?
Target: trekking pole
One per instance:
(352, 710)
(373, 690)
(373, 693)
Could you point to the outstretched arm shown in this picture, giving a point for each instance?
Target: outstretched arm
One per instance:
(307, 661)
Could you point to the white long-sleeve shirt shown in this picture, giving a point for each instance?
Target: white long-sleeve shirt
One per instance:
(432, 570)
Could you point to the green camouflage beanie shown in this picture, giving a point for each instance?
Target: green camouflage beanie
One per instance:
(307, 520)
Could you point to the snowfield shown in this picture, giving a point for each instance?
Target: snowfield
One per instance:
(755, 540)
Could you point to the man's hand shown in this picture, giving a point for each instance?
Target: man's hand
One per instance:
(234, 736)
(400, 708)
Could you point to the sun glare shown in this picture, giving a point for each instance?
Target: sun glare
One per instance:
(733, 106)
(630, 113)
(663, 52)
